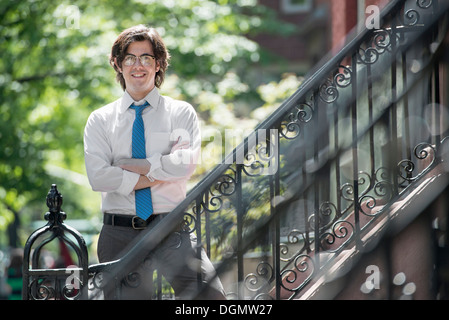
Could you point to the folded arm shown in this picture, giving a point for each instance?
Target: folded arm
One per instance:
(141, 167)
(126, 175)
(180, 163)
(103, 174)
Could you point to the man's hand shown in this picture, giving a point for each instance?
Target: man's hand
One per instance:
(143, 183)
(140, 166)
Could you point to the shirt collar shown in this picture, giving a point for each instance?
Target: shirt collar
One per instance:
(153, 98)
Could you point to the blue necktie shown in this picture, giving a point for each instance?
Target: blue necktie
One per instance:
(144, 205)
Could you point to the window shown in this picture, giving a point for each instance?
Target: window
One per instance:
(296, 6)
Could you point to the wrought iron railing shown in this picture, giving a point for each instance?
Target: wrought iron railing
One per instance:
(318, 173)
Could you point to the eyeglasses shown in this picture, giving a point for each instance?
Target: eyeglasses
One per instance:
(146, 60)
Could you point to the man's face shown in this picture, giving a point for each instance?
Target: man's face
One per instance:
(139, 79)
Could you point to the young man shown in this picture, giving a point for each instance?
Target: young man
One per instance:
(140, 150)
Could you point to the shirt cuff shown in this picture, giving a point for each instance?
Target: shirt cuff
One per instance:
(129, 181)
(148, 175)
(155, 163)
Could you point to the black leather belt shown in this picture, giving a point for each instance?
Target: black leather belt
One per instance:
(120, 220)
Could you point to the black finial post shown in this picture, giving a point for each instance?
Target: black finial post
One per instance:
(45, 284)
(54, 203)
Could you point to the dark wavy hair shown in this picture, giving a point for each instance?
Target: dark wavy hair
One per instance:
(139, 33)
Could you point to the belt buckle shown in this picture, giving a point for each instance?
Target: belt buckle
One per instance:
(133, 223)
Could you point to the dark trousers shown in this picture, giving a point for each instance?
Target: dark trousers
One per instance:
(175, 258)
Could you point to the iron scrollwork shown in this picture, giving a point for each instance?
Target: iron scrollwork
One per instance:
(225, 185)
(369, 53)
(262, 157)
(257, 281)
(406, 167)
(295, 278)
(329, 90)
(301, 114)
(342, 230)
(294, 237)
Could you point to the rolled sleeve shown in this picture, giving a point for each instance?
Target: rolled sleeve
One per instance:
(165, 169)
(155, 162)
(102, 175)
(180, 162)
(129, 181)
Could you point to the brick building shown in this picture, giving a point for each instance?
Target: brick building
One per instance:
(322, 26)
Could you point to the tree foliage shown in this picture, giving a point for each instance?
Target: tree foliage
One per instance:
(54, 72)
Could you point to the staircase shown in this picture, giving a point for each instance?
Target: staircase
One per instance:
(338, 172)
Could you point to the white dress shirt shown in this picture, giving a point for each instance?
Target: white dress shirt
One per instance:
(172, 138)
